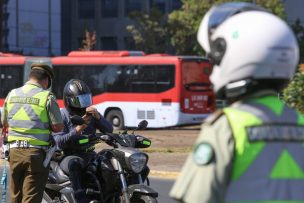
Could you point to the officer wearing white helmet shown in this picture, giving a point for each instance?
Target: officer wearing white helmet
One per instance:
(251, 151)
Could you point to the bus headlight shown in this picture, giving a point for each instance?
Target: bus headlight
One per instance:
(137, 162)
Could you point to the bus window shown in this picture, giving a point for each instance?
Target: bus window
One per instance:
(89, 74)
(197, 90)
(196, 77)
(152, 78)
(143, 79)
(116, 78)
(11, 76)
(165, 77)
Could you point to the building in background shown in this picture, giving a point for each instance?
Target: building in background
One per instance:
(33, 27)
(108, 18)
(55, 27)
(3, 30)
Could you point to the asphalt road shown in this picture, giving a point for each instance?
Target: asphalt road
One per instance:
(163, 187)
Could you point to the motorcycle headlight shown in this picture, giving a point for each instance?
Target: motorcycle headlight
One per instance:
(137, 162)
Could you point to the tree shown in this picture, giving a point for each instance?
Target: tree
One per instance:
(275, 6)
(89, 41)
(184, 23)
(154, 32)
(293, 94)
(149, 32)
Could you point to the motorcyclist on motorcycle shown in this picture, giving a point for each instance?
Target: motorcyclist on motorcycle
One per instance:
(76, 149)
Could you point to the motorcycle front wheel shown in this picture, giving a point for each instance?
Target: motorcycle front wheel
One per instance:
(143, 199)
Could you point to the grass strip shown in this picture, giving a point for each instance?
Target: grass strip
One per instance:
(101, 146)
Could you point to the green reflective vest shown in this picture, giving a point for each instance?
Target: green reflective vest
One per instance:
(27, 115)
(268, 164)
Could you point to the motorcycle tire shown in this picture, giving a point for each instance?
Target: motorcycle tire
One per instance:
(143, 199)
(115, 117)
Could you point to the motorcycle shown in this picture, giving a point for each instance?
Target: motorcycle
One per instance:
(115, 175)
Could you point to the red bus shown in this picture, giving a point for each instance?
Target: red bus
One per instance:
(130, 86)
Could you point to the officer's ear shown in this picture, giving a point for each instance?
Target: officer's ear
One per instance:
(45, 83)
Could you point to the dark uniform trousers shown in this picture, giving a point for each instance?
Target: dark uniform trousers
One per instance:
(28, 176)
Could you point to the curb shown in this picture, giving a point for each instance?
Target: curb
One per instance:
(164, 174)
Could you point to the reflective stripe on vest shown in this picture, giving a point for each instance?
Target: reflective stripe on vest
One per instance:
(27, 114)
(269, 164)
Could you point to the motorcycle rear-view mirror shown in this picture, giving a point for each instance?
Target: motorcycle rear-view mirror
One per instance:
(105, 138)
(77, 120)
(142, 125)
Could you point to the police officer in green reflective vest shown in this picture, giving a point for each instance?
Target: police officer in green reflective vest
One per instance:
(252, 150)
(30, 113)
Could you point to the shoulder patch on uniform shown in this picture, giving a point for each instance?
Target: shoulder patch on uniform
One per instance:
(203, 154)
(213, 117)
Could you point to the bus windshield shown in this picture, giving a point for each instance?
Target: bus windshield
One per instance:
(197, 94)
(195, 76)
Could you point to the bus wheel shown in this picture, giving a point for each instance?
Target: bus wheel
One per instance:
(116, 118)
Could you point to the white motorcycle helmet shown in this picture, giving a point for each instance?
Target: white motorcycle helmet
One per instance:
(247, 45)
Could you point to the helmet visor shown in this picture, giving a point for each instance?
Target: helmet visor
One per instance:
(80, 101)
(220, 13)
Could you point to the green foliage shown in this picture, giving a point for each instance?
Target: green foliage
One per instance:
(184, 23)
(293, 95)
(275, 6)
(149, 33)
(154, 32)
(89, 42)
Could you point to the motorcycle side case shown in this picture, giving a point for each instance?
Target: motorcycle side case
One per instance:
(141, 189)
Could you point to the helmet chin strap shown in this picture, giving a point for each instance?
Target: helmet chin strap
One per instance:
(239, 88)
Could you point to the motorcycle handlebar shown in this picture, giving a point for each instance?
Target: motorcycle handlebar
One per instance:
(125, 140)
(104, 137)
(111, 139)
